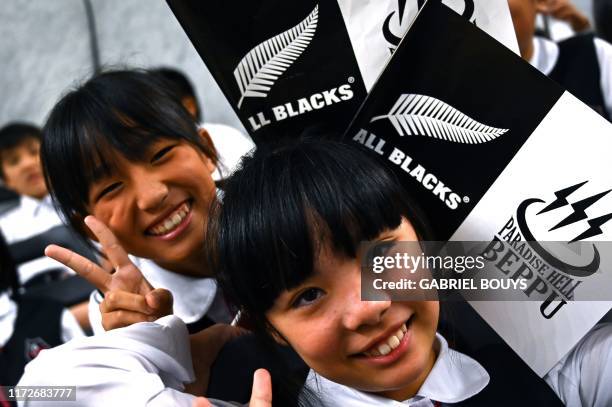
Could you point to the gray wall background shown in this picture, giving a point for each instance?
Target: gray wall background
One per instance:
(45, 50)
(585, 6)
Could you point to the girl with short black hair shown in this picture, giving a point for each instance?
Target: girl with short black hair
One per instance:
(122, 147)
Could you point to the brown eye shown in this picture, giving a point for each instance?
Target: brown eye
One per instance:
(108, 190)
(308, 297)
(161, 153)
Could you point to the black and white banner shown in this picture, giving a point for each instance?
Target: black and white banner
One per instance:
(496, 152)
(446, 115)
(377, 27)
(286, 66)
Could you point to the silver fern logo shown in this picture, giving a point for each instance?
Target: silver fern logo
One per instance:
(420, 115)
(259, 70)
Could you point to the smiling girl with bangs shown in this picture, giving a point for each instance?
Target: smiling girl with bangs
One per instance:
(122, 147)
(286, 253)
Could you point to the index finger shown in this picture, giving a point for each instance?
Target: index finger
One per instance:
(201, 402)
(84, 267)
(261, 395)
(110, 245)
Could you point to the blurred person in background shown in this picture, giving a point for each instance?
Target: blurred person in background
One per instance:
(582, 64)
(21, 172)
(27, 326)
(564, 11)
(230, 143)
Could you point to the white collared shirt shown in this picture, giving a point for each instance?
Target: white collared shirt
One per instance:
(546, 53)
(193, 297)
(30, 218)
(584, 376)
(146, 364)
(454, 377)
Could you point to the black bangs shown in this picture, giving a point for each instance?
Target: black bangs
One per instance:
(285, 203)
(114, 113)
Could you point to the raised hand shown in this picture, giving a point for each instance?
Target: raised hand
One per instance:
(564, 10)
(128, 296)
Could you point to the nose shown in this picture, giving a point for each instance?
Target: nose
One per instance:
(151, 194)
(360, 314)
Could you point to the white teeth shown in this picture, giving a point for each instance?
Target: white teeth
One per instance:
(391, 343)
(399, 334)
(384, 349)
(171, 221)
(176, 219)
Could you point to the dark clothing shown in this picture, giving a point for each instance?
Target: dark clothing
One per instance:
(577, 70)
(37, 327)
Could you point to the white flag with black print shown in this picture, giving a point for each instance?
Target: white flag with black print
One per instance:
(287, 66)
(496, 152)
(377, 27)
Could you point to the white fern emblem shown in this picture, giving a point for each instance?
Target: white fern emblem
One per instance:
(263, 65)
(423, 115)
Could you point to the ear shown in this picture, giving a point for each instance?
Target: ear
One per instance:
(190, 104)
(207, 140)
(278, 337)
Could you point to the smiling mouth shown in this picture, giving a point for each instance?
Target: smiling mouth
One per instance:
(172, 221)
(35, 177)
(389, 344)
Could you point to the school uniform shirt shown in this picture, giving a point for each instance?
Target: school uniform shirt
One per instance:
(70, 328)
(231, 145)
(144, 364)
(454, 377)
(147, 363)
(193, 297)
(30, 218)
(584, 376)
(546, 55)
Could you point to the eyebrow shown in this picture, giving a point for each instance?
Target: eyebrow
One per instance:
(100, 172)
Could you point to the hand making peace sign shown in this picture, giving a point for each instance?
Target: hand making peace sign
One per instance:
(128, 296)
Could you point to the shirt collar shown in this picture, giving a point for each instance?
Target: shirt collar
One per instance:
(33, 205)
(193, 296)
(545, 54)
(454, 377)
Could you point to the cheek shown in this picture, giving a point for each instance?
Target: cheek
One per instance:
(427, 322)
(11, 175)
(430, 312)
(315, 340)
(115, 215)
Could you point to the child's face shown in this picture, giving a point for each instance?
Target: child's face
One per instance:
(338, 335)
(22, 170)
(158, 209)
